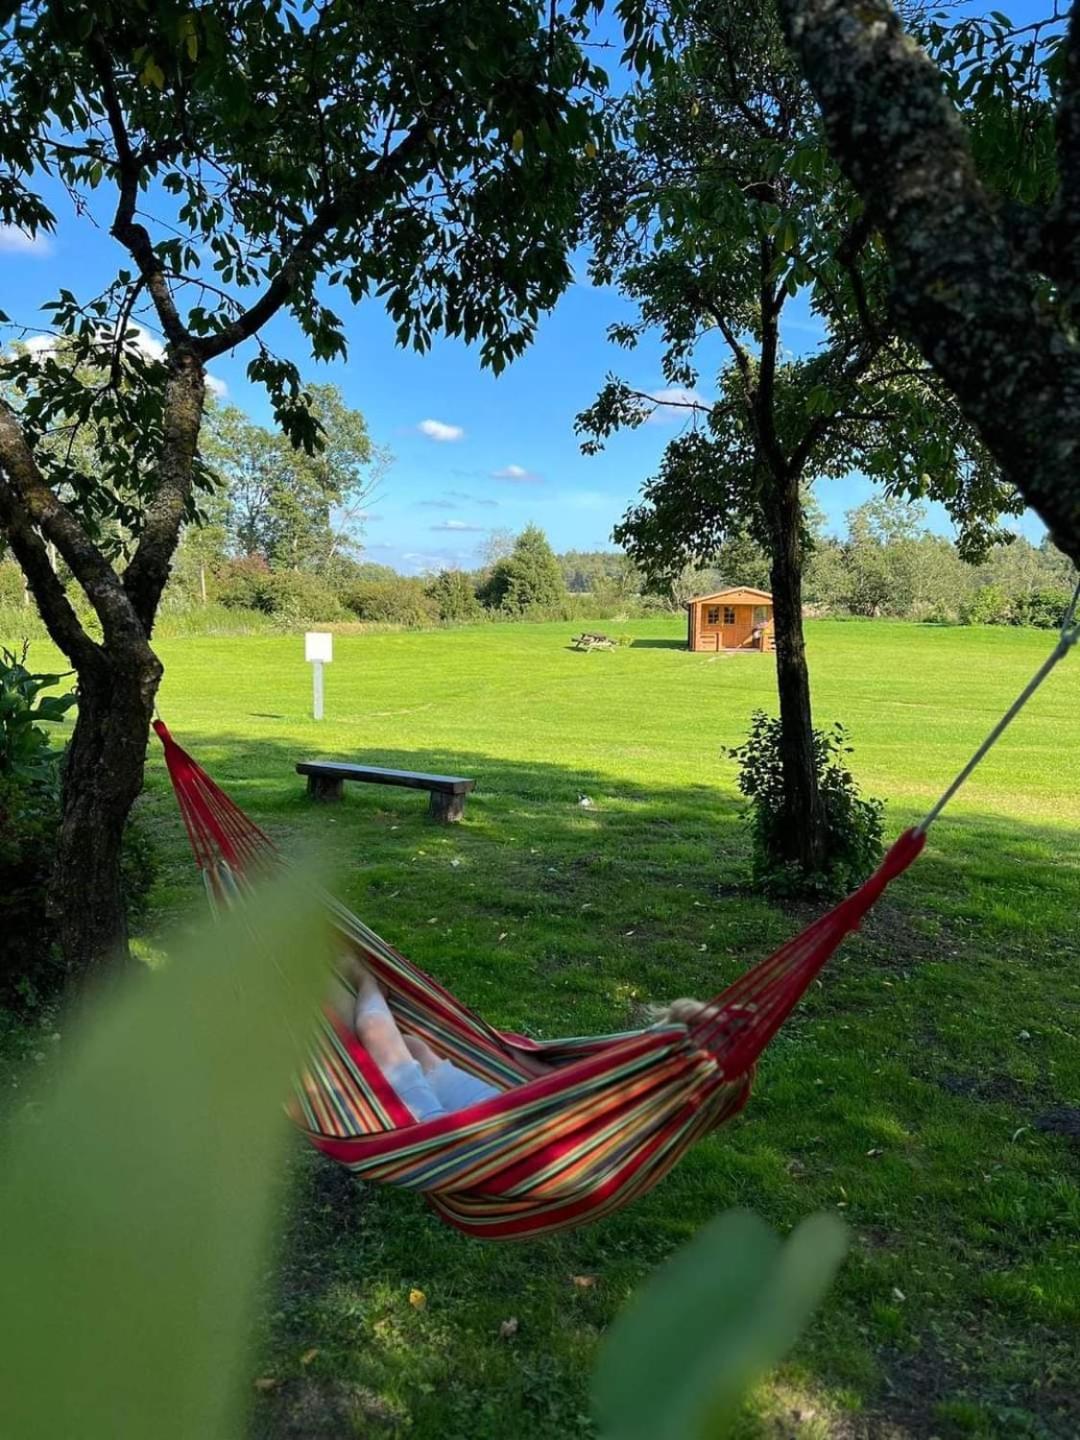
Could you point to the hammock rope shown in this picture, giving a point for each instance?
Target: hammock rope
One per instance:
(1067, 638)
(606, 1118)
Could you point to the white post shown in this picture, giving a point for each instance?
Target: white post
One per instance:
(318, 649)
(317, 696)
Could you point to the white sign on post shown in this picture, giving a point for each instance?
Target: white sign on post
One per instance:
(318, 650)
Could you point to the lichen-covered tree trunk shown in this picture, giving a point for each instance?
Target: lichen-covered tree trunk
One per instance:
(103, 774)
(967, 287)
(803, 834)
(118, 675)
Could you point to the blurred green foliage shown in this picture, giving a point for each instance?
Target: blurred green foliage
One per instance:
(138, 1199)
(721, 1312)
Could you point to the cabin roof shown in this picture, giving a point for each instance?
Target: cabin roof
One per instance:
(753, 596)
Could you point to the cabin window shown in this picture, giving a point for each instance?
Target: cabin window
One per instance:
(712, 615)
(729, 614)
(761, 614)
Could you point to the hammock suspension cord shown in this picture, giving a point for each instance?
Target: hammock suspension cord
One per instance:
(1067, 638)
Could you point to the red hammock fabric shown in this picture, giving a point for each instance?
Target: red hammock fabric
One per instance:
(609, 1119)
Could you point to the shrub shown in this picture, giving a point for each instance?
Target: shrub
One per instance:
(30, 971)
(243, 584)
(853, 825)
(1045, 609)
(26, 753)
(12, 589)
(29, 814)
(454, 596)
(990, 605)
(396, 602)
(298, 595)
(250, 584)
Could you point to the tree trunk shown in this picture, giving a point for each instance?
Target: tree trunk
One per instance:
(803, 834)
(202, 583)
(103, 775)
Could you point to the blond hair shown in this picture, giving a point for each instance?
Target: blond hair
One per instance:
(681, 1012)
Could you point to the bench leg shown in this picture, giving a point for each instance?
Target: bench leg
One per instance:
(446, 808)
(324, 787)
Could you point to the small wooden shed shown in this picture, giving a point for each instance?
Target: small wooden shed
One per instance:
(740, 618)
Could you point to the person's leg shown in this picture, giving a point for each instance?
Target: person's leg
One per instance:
(375, 1026)
(422, 1053)
(377, 1031)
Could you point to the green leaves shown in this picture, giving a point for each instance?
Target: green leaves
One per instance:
(712, 1320)
(26, 753)
(140, 1189)
(152, 74)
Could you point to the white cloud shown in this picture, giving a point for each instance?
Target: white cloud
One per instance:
(459, 527)
(673, 403)
(437, 430)
(14, 241)
(141, 339)
(40, 344)
(517, 475)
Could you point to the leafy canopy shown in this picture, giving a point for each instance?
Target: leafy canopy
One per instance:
(258, 158)
(720, 208)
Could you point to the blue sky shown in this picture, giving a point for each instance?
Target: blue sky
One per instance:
(501, 451)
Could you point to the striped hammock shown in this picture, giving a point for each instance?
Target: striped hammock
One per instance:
(608, 1119)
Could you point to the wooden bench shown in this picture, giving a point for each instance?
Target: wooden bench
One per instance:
(326, 778)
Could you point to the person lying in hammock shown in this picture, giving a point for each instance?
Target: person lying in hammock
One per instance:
(427, 1084)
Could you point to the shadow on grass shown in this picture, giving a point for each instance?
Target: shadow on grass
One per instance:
(991, 874)
(647, 643)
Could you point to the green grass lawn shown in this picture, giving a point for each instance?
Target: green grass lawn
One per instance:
(925, 1089)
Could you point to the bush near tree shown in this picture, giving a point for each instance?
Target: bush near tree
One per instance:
(854, 823)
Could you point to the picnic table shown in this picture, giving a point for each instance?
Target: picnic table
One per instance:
(593, 642)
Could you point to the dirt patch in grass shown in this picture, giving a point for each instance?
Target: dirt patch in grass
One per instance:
(991, 1089)
(323, 1409)
(1061, 1120)
(928, 1393)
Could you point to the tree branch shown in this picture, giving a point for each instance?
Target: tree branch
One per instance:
(322, 223)
(43, 510)
(738, 350)
(56, 609)
(763, 393)
(131, 165)
(959, 290)
(670, 404)
(148, 571)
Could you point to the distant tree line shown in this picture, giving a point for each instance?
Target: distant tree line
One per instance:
(887, 564)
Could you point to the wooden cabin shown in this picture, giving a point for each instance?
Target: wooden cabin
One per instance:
(737, 619)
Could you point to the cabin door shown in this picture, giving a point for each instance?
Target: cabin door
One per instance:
(737, 626)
